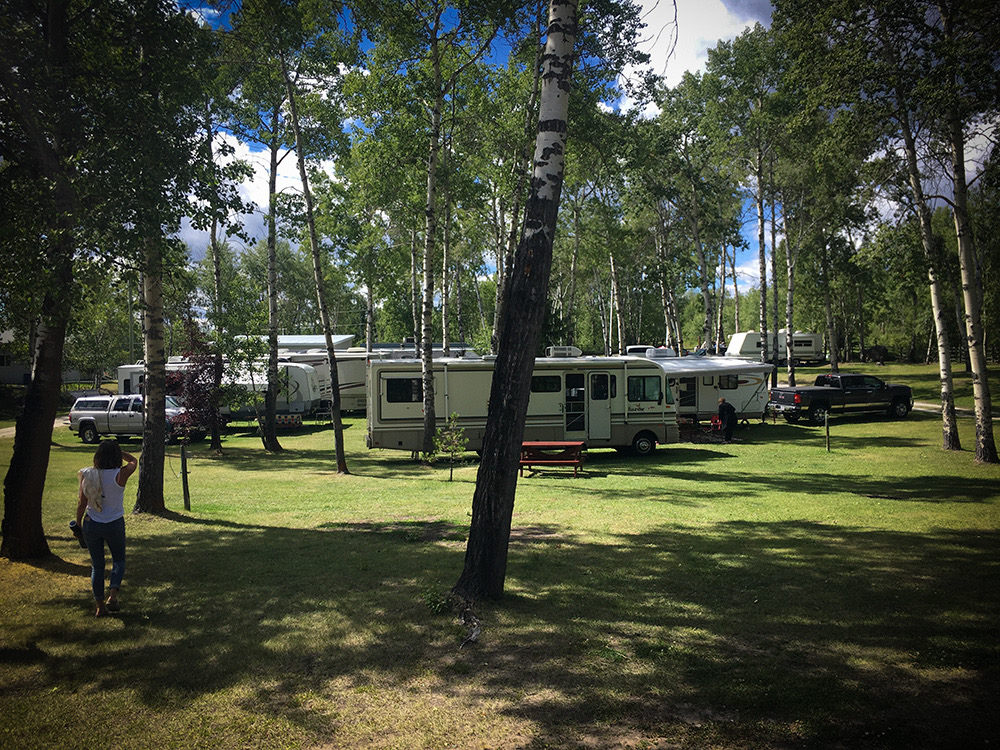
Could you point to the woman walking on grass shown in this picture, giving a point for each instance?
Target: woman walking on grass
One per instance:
(102, 498)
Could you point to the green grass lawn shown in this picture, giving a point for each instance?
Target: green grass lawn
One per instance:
(763, 594)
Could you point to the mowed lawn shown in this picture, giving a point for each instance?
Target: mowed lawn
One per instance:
(763, 594)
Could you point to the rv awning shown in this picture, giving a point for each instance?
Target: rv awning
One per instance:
(679, 367)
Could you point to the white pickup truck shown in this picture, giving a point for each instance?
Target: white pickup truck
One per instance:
(94, 416)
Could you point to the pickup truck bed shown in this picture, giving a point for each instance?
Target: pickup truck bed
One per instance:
(841, 393)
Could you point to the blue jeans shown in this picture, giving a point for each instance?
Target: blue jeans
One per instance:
(96, 534)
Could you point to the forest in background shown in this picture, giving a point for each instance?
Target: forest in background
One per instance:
(657, 209)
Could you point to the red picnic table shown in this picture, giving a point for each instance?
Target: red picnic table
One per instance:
(552, 453)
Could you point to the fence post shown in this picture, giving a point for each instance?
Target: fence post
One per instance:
(184, 475)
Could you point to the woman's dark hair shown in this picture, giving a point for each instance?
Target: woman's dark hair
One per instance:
(108, 455)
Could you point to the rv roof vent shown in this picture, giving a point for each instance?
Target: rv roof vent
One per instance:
(661, 353)
(402, 354)
(563, 351)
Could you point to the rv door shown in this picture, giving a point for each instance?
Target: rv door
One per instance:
(601, 386)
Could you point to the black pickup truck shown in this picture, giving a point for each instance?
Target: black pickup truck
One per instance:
(841, 393)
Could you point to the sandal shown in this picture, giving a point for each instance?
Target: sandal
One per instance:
(113, 605)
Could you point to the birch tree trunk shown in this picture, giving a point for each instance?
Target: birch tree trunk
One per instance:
(831, 330)
(149, 495)
(761, 256)
(616, 296)
(791, 256)
(949, 422)
(324, 313)
(986, 449)
(430, 239)
(269, 435)
(485, 566)
(215, 428)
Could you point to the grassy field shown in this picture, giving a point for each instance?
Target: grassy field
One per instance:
(762, 594)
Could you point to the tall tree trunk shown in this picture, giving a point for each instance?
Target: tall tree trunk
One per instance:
(149, 496)
(415, 289)
(616, 307)
(762, 256)
(791, 256)
(485, 566)
(269, 435)
(831, 328)
(932, 256)
(324, 314)
(459, 307)
(694, 223)
(774, 284)
(445, 269)
(23, 535)
(430, 237)
(570, 314)
(215, 427)
(736, 293)
(720, 303)
(986, 449)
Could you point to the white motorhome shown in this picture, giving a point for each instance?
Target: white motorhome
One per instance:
(607, 402)
(299, 391)
(807, 348)
(699, 382)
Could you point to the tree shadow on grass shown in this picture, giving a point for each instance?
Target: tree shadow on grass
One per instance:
(734, 634)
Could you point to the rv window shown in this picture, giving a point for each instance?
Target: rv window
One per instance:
(803, 343)
(707, 380)
(603, 386)
(546, 384)
(643, 387)
(404, 390)
(729, 382)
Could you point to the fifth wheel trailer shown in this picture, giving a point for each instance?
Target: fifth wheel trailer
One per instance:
(607, 402)
(299, 391)
(807, 348)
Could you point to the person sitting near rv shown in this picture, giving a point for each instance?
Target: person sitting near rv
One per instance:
(727, 416)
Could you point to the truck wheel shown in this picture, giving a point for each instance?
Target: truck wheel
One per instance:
(899, 409)
(643, 444)
(817, 414)
(792, 418)
(88, 433)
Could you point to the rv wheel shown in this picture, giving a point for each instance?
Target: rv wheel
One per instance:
(643, 444)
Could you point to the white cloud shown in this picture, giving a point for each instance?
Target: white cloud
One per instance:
(254, 191)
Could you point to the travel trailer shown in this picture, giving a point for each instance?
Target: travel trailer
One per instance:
(299, 394)
(606, 402)
(807, 348)
(699, 382)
